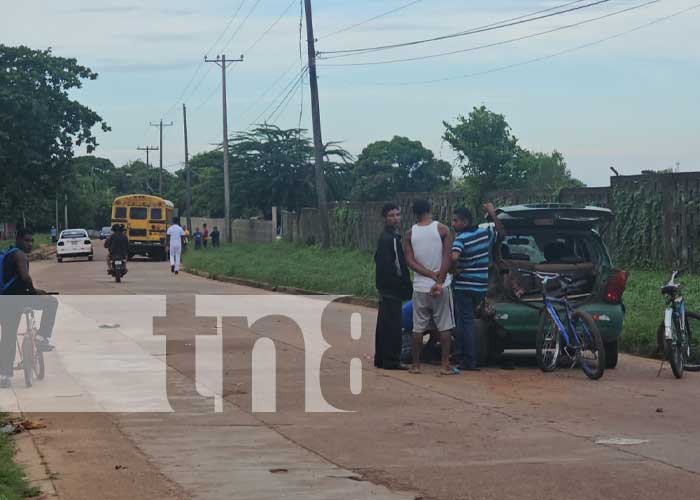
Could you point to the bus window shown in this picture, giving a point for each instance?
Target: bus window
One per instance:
(138, 213)
(156, 214)
(120, 213)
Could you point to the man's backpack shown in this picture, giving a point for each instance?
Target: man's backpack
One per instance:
(5, 284)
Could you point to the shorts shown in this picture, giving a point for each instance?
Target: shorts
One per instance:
(430, 312)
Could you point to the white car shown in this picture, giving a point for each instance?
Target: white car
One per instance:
(73, 243)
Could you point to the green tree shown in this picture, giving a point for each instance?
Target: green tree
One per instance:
(487, 151)
(385, 168)
(39, 126)
(546, 173)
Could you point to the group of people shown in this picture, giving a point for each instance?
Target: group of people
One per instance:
(450, 282)
(177, 239)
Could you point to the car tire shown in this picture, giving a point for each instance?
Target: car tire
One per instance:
(89, 258)
(611, 354)
(59, 259)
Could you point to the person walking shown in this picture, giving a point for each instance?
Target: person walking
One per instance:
(427, 248)
(175, 235)
(393, 281)
(471, 252)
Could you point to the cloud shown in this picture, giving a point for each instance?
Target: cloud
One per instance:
(102, 10)
(143, 67)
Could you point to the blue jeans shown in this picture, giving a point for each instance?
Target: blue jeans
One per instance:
(465, 309)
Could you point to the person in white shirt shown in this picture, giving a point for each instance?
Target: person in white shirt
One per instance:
(427, 247)
(175, 237)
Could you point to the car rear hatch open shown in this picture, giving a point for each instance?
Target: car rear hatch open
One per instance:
(556, 214)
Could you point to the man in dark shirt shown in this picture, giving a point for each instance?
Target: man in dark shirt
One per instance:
(21, 295)
(118, 246)
(394, 285)
(215, 237)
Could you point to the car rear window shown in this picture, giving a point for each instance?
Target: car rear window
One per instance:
(550, 247)
(73, 234)
(138, 213)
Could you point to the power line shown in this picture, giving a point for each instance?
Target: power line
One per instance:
(267, 91)
(489, 27)
(199, 66)
(284, 103)
(240, 26)
(291, 84)
(537, 59)
(369, 20)
(496, 44)
(265, 33)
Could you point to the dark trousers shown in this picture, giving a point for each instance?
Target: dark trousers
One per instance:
(387, 340)
(11, 308)
(465, 310)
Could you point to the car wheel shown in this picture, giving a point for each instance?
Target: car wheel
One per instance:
(59, 259)
(89, 258)
(611, 352)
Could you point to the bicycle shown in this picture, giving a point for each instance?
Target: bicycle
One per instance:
(576, 337)
(675, 338)
(31, 359)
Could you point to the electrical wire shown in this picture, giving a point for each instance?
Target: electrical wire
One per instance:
(240, 26)
(265, 33)
(269, 88)
(284, 103)
(537, 59)
(369, 20)
(286, 88)
(496, 44)
(543, 14)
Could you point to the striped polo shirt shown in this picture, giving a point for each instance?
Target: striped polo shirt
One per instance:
(475, 256)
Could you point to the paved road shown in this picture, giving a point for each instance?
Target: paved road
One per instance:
(494, 434)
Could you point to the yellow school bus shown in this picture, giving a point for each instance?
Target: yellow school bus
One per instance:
(146, 219)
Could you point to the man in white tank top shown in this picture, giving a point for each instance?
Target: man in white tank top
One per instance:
(427, 247)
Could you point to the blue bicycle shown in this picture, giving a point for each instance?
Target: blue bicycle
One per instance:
(566, 335)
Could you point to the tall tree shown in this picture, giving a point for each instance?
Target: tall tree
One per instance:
(39, 125)
(385, 168)
(546, 173)
(487, 151)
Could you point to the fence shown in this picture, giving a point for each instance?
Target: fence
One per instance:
(656, 225)
(243, 230)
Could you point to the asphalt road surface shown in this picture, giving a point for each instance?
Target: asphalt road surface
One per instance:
(495, 434)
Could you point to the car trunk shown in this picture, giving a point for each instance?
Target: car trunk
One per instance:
(551, 238)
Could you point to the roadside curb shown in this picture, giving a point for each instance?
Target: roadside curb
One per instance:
(28, 455)
(348, 299)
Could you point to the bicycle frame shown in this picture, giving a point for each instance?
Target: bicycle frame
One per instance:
(675, 311)
(554, 314)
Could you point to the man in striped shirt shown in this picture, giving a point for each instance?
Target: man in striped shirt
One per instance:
(471, 251)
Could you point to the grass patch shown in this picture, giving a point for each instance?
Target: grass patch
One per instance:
(39, 239)
(13, 482)
(338, 270)
(645, 307)
(345, 271)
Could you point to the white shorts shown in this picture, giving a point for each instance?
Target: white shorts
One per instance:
(430, 312)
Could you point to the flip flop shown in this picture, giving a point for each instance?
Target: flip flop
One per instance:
(452, 371)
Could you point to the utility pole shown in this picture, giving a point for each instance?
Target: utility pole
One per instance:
(221, 61)
(187, 173)
(318, 140)
(160, 178)
(56, 214)
(65, 211)
(147, 149)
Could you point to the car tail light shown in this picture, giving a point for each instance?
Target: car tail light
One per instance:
(60, 243)
(616, 287)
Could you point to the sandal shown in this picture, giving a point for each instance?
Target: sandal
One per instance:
(451, 371)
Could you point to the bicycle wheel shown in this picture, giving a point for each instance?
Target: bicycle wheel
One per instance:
(39, 368)
(547, 342)
(674, 349)
(591, 355)
(27, 359)
(692, 328)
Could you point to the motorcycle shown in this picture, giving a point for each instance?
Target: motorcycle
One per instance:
(118, 268)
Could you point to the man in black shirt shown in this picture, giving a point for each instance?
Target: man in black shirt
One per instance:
(394, 286)
(118, 245)
(20, 295)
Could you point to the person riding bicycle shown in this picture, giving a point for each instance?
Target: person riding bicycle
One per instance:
(117, 245)
(18, 294)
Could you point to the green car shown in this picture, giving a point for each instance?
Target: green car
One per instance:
(552, 237)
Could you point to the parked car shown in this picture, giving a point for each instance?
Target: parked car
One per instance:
(556, 238)
(105, 232)
(73, 243)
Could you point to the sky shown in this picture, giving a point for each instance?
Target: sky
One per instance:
(628, 101)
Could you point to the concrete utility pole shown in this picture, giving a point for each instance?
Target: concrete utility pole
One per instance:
(221, 61)
(187, 173)
(160, 178)
(147, 149)
(318, 140)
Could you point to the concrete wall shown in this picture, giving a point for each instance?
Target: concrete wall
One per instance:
(243, 230)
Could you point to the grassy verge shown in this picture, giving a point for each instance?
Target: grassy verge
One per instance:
(344, 271)
(13, 482)
(39, 239)
(339, 271)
